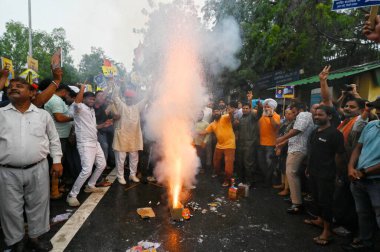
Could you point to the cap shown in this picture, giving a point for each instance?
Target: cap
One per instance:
(74, 88)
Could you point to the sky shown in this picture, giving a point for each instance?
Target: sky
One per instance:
(107, 24)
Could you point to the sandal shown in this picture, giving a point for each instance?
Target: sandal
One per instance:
(321, 241)
(105, 183)
(312, 222)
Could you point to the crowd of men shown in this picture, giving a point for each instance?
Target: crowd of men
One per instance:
(328, 151)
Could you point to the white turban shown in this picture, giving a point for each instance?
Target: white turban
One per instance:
(271, 103)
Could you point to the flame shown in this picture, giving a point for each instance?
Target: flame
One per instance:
(180, 81)
(180, 94)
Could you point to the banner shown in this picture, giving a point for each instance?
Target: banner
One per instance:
(285, 92)
(100, 81)
(109, 71)
(349, 4)
(7, 63)
(30, 76)
(32, 63)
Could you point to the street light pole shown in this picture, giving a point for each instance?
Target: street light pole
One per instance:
(30, 28)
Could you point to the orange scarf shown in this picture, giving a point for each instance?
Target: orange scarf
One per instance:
(346, 127)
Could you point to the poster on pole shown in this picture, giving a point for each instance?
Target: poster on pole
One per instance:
(8, 64)
(350, 4)
(284, 92)
(32, 63)
(109, 71)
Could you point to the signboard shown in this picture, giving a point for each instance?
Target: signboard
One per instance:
(30, 76)
(109, 71)
(349, 4)
(100, 81)
(7, 63)
(32, 63)
(285, 92)
(277, 78)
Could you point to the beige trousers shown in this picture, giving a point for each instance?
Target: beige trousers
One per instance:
(293, 167)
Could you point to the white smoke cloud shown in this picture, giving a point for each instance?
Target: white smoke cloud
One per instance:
(175, 49)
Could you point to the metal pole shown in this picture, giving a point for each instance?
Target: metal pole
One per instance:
(30, 28)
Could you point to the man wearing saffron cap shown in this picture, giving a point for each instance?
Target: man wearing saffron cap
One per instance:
(128, 135)
(269, 124)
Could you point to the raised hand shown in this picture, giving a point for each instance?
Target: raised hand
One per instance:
(325, 73)
(249, 95)
(372, 34)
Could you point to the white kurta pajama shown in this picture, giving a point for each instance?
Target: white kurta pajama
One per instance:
(128, 136)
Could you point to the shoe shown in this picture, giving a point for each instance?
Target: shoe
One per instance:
(72, 201)
(294, 209)
(134, 178)
(356, 246)
(225, 184)
(284, 193)
(308, 198)
(17, 247)
(104, 183)
(151, 179)
(122, 181)
(214, 175)
(39, 246)
(92, 189)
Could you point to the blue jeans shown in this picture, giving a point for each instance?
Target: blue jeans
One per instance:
(366, 194)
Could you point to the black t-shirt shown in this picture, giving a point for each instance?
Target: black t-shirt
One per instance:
(323, 147)
(101, 117)
(335, 119)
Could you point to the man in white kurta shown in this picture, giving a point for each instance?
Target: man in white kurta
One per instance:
(128, 135)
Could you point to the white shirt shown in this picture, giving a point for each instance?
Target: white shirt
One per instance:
(207, 114)
(85, 124)
(27, 138)
(304, 123)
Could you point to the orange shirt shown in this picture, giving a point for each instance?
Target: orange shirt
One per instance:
(224, 133)
(268, 133)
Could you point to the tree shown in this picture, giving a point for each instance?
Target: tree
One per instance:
(14, 45)
(293, 34)
(91, 64)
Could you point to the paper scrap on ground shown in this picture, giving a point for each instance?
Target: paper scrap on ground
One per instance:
(61, 217)
(145, 246)
(146, 212)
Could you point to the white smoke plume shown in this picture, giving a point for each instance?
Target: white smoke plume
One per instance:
(175, 51)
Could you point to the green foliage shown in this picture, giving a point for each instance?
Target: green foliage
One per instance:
(292, 34)
(14, 45)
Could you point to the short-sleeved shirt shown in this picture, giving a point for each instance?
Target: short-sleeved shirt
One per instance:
(324, 145)
(57, 105)
(370, 154)
(304, 123)
(85, 124)
(268, 133)
(224, 133)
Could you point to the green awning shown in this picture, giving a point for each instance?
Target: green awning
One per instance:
(338, 74)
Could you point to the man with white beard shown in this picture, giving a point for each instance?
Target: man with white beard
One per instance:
(128, 135)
